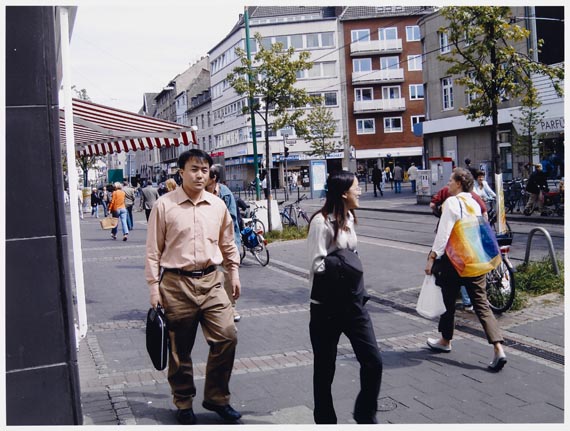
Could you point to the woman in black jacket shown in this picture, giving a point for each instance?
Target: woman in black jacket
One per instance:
(337, 302)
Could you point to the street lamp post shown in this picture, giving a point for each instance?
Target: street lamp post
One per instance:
(285, 166)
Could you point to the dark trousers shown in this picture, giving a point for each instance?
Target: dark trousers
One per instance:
(130, 221)
(379, 187)
(325, 328)
(147, 213)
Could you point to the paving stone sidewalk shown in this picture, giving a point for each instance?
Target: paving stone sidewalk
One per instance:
(271, 381)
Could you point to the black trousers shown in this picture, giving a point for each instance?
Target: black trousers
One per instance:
(379, 187)
(325, 328)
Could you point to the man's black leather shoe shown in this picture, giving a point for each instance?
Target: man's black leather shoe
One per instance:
(227, 412)
(186, 417)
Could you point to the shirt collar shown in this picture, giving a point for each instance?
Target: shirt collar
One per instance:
(182, 197)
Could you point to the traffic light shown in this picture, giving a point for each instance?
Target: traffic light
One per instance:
(286, 152)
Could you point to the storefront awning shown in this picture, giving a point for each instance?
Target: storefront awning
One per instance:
(100, 130)
(389, 152)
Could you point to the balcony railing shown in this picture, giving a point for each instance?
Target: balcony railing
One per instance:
(375, 47)
(378, 76)
(379, 105)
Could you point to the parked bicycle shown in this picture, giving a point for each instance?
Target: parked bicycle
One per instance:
(252, 220)
(515, 195)
(293, 215)
(254, 242)
(501, 280)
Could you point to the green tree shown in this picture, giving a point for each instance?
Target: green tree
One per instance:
(269, 78)
(485, 61)
(318, 129)
(529, 119)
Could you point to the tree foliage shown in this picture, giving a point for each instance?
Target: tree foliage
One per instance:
(85, 162)
(484, 59)
(318, 129)
(273, 75)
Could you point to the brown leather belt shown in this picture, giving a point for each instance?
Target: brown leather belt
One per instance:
(192, 274)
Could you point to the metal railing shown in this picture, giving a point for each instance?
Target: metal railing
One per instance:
(550, 247)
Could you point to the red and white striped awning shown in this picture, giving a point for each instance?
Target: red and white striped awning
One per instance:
(100, 130)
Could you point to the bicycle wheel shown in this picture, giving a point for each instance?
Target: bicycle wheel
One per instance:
(258, 225)
(242, 253)
(501, 288)
(260, 251)
(285, 219)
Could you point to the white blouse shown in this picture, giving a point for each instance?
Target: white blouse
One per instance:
(320, 241)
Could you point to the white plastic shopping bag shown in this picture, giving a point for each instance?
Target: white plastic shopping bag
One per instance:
(430, 302)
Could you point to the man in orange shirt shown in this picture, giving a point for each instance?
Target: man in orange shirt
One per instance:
(190, 233)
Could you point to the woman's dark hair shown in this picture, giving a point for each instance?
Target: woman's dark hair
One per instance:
(464, 177)
(194, 153)
(478, 173)
(338, 184)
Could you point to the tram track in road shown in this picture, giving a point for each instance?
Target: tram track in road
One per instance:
(552, 354)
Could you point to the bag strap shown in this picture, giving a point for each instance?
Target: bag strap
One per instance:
(460, 207)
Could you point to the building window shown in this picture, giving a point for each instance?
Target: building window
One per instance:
(360, 35)
(416, 92)
(447, 93)
(313, 40)
(361, 94)
(362, 65)
(297, 41)
(415, 119)
(413, 33)
(388, 33)
(391, 92)
(327, 39)
(392, 62)
(330, 99)
(365, 126)
(392, 124)
(414, 62)
(443, 43)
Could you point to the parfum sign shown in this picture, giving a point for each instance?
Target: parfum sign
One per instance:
(554, 124)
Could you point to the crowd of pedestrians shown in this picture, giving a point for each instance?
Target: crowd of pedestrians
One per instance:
(197, 282)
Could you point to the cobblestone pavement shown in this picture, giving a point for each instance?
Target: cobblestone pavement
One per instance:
(271, 381)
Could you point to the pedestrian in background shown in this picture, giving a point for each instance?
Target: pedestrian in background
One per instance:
(413, 176)
(388, 177)
(536, 185)
(94, 203)
(463, 205)
(149, 197)
(377, 180)
(129, 204)
(398, 178)
(80, 201)
(118, 209)
(182, 276)
(482, 188)
(170, 184)
(338, 302)
(224, 193)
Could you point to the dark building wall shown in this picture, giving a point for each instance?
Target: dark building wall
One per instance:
(42, 384)
(550, 28)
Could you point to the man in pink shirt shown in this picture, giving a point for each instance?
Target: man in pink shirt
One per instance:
(190, 233)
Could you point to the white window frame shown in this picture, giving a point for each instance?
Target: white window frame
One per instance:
(391, 92)
(358, 94)
(387, 31)
(360, 130)
(444, 46)
(417, 119)
(354, 35)
(359, 61)
(383, 60)
(447, 93)
(414, 93)
(415, 61)
(413, 31)
(391, 128)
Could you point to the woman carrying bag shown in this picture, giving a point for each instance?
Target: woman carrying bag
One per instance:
(461, 206)
(337, 302)
(118, 209)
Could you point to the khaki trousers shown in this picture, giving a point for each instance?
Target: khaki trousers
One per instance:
(188, 302)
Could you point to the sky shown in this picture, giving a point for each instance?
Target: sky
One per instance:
(122, 49)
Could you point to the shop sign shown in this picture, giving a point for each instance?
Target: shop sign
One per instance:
(554, 124)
